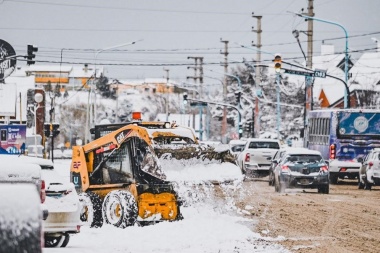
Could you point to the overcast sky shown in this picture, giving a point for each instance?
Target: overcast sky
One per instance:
(173, 30)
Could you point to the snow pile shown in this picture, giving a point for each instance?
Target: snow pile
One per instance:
(203, 230)
(199, 173)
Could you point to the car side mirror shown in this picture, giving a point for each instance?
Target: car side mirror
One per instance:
(360, 160)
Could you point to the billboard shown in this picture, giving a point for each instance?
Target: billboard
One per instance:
(12, 139)
(353, 124)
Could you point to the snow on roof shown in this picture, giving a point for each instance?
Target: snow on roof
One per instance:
(127, 81)
(82, 71)
(74, 71)
(155, 80)
(47, 68)
(365, 71)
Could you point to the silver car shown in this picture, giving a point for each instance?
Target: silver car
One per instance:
(302, 169)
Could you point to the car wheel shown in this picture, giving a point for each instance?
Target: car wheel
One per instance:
(276, 186)
(120, 209)
(66, 240)
(368, 186)
(326, 189)
(333, 179)
(270, 182)
(91, 213)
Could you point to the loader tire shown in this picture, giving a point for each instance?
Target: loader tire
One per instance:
(120, 209)
(91, 213)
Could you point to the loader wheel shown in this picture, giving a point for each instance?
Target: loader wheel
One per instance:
(120, 209)
(91, 212)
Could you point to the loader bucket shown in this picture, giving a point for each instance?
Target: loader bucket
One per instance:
(192, 154)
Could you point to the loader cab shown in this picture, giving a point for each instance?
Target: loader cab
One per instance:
(133, 161)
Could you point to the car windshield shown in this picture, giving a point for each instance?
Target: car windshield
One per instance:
(304, 158)
(237, 148)
(263, 144)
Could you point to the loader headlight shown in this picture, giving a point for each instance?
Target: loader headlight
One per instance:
(167, 125)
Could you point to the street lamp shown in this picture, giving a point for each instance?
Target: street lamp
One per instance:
(308, 96)
(38, 98)
(92, 89)
(345, 51)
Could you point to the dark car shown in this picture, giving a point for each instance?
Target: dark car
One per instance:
(302, 169)
(276, 158)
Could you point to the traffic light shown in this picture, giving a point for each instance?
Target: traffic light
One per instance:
(277, 63)
(240, 130)
(185, 98)
(238, 96)
(47, 130)
(56, 130)
(51, 128)
(31, 55)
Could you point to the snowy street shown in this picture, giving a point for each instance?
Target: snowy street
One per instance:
(210, 224)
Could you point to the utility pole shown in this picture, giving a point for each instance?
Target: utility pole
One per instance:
(309, 64)
(257, 79)
(167, 94)
(198, 61)
(224, 121)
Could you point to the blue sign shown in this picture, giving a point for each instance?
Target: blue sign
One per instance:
(12, 139)
(351, 124)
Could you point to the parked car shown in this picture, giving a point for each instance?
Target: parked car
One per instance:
(257, 155)
(15, 172)
(369, 173)
(35, 150)
(62, 203)
(275, 160)
(302, 169)
(67, 154)
(58, 154)
(20, 216)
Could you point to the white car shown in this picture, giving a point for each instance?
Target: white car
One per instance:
(67, 154)
(256, 157)
(369, 174)
(62, 203)
(343, 168)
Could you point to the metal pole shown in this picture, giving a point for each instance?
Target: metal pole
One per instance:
(278, 104)
(35, 127)
(91, 88)
(256, 121)
(345, 51)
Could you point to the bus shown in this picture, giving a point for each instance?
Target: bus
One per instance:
(344, 137)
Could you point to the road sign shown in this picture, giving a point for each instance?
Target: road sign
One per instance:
(296, 72)
(198, 104)
(320, 73)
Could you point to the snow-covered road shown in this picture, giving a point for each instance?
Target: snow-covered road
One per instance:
(209, 225)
